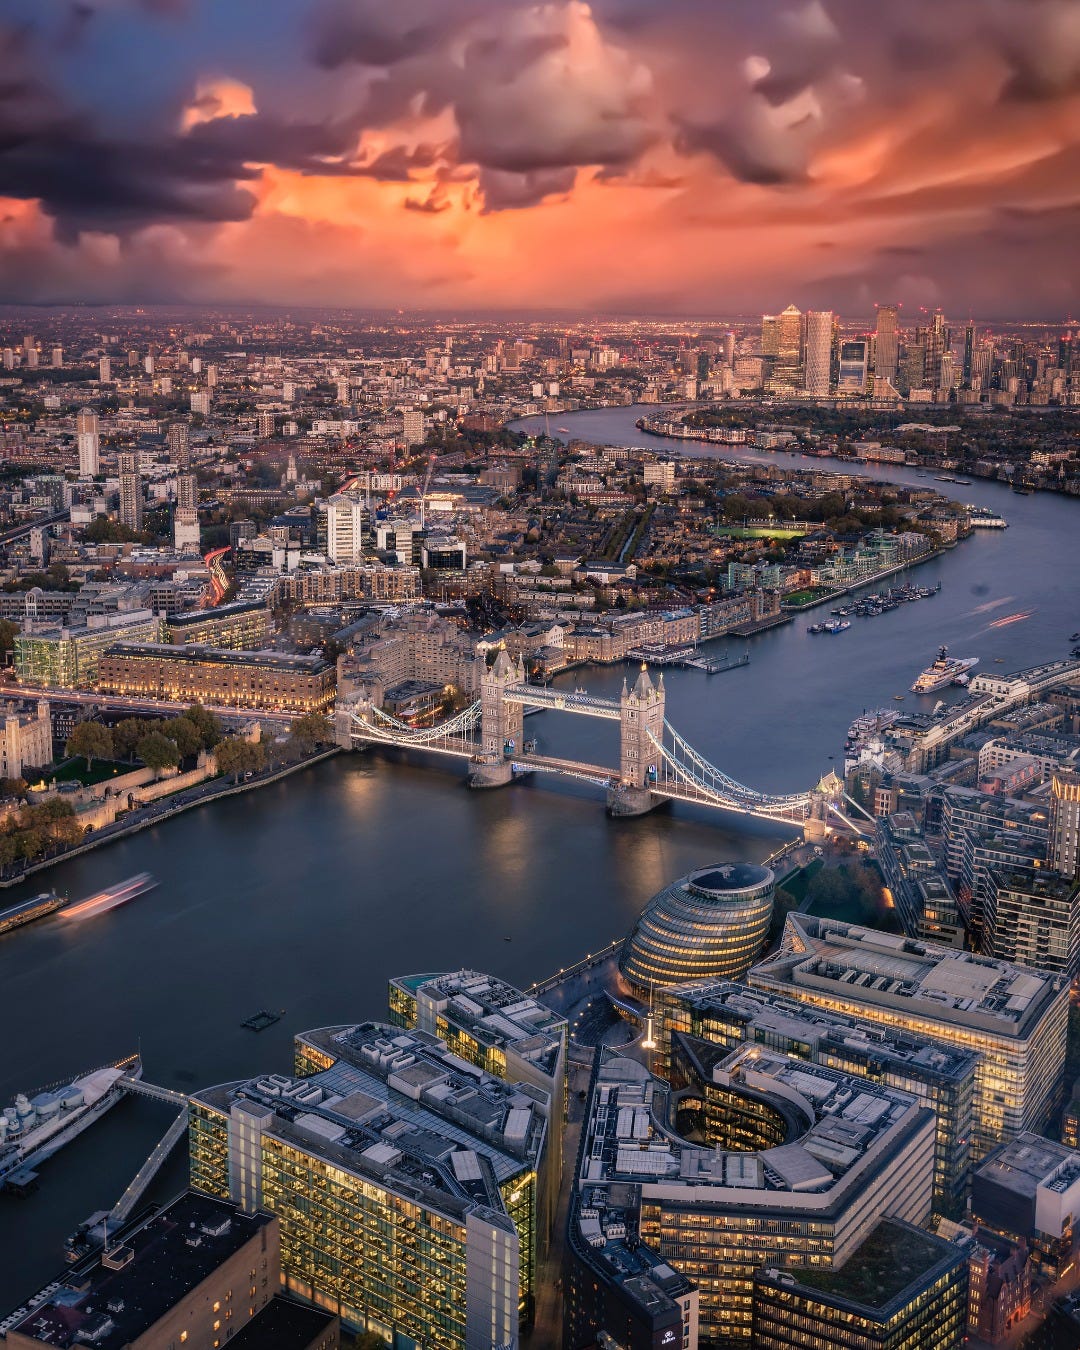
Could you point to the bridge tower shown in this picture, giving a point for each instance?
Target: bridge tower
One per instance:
(641, 717)
(501, 722)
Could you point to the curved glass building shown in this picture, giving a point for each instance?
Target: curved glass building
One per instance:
(711, 923)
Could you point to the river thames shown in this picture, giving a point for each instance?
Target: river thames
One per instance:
(306, 895)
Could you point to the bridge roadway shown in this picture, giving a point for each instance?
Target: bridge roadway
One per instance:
(538, 696)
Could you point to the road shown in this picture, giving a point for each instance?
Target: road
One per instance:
(121, 702)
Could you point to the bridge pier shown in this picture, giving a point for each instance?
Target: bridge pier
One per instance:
(623, 799)
(491, 773)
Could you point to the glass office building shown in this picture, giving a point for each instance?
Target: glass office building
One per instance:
(404, 1181)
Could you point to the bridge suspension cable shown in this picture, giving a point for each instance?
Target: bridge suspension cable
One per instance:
(683, 764)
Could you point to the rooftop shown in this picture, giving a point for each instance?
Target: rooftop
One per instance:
(865, 965)
(398, 1106)
(170, 1254)
(302, 665)
(894, 1258)
(282, 1325)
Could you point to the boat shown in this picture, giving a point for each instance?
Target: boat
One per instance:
(26, 911)
(899, 697)
(814, 628)
(835, 626)
(945, 670)
(111, 897)
(1074, 637)
(982, 518)
(34, 1128)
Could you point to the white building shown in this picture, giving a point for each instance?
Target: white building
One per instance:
(346, 525)
(89, 442)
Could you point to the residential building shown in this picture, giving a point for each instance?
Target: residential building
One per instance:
(131, 492)
(901, 1287)
(1065, 822)
(1015, 1017)
(346, 528)
(264, 681)
(88, 439)
(404, 1181)
(1033, 916)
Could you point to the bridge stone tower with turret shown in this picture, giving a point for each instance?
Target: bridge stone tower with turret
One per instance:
(501, 722)
(640, 718)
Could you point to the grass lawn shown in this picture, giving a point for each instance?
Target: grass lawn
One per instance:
(68, 770)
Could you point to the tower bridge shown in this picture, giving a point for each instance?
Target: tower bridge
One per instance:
(656, 763)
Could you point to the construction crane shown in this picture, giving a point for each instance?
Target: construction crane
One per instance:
(424, 491)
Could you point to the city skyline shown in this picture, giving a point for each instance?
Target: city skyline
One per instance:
(557, 155)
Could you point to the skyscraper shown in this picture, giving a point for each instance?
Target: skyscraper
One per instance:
(788, 330)
(887, 359)
(969, 354)
(854, 357)
(89, 442)
(131, 500)
(186, 519)
(937, 344)
(1065, 822)
(105, 370)
(819, 331)
(179, 442)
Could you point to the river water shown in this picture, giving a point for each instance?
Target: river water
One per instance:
(306, 895)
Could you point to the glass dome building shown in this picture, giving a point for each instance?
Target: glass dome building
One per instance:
(710, 924)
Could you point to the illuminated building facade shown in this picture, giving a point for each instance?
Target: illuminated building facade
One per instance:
(404, 1182)
(264, 681)
(1015, 1018)
(748, 1159)
(242, 626)
(711, 923)
(489, 1023)
(941, 1076)
(1065, 822)
(901, 1288)
(69, 658)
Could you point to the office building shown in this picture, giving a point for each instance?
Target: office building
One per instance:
(901, 1288)
(504, 1032)
(1028, 1191)
(819, 339)
(243, 625)
(88, 439)
(194, 1274)
(25, 738)
(1064, 854)
(1013, 1016)
(787, 334)
(941, 1076)
(711, 923)
(131, 492)
(1033, 917)
(404, 1181)
(55, 657)
(887, 343)
(263, 681)
(791, 1164)
(347, 528)
(854, 364)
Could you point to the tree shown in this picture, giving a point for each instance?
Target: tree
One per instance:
(91, 740)
(127, 735)
(158, 752)
(311, 730)
(184, 733)
(233, 757)
(8, 633)
(207, 725)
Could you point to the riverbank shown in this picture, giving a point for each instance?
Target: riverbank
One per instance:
(164, 809)
(863, 582)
